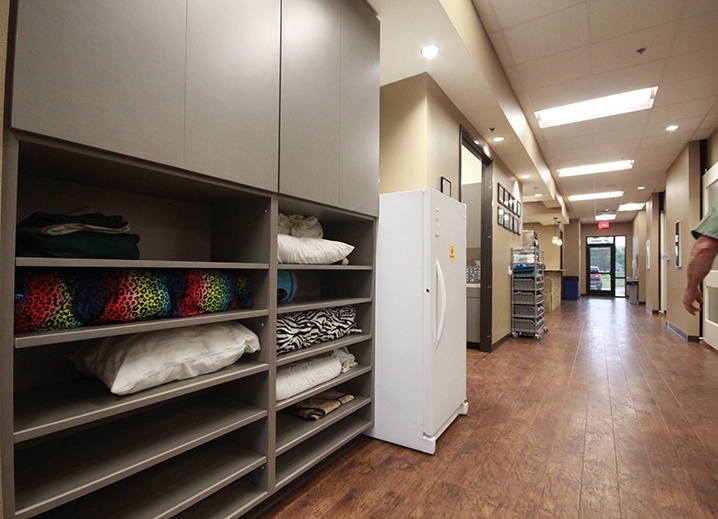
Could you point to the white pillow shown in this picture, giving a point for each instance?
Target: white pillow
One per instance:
(131, 363)
(310, 251)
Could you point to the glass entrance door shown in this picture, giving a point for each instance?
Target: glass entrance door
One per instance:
(601, 269)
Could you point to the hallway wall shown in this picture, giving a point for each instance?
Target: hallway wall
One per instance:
(683, 194)
(652, 263)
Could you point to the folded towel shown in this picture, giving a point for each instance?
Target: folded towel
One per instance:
(319, 406)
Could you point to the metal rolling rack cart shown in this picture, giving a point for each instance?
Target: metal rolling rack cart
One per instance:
(527, 285)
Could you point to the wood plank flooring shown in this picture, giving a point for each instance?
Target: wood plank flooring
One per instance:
(611, 415)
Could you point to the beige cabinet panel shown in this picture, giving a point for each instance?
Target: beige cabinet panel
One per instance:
(232, 125)
(310, 100)
(103, 73)
(359, 165)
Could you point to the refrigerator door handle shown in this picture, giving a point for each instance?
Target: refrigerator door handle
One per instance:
(441, 310)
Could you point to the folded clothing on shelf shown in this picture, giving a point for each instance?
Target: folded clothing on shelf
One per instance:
(83, 234)
(320, 405)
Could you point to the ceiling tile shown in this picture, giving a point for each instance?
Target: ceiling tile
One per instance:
(700, 7)
(685, 125)
(611, 18)
(552, 34)
(697, 32)
(629, 120)
(693, 64)
(630, 78)
(558, 68)
(557, 95)
(487, 15)
(621, 52)
(498, 40)
(668, 113)
(697, 88)
(515, 12)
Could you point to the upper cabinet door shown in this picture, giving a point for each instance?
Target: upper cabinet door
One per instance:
(105, 73)
(232, 127)
(359, 165)
(310, 100)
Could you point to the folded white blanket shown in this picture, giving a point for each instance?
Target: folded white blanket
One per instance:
(306, 374)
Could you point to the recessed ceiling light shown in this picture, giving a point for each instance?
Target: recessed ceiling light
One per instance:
(641, 188)
(498, 139)
(605, 217)
(538, 195)
(672, 128)
(430, 51)
(597, 108)
(525, 176)
(630, 207)
(595, 168)
(595, 196)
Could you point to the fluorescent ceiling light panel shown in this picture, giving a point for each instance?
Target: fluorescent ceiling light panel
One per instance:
(630, 207)
(595, 196)
(597, 108)
(589, 169)
(605, 217)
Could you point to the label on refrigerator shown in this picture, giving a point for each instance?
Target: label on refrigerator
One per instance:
(452, 252)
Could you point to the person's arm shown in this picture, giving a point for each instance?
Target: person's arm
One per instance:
(699, 264)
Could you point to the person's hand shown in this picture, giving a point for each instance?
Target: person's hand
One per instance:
(690, 297)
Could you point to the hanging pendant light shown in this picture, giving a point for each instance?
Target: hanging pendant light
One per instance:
(556, 240)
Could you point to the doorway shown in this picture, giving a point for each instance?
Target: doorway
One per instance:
(606, 266)
(476, 180)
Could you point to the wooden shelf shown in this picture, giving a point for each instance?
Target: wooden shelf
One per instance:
(300, 304)
(299, 459)
(231, 501)
(42, 338)
(290, 266)
(144, 264)
(193, 476)
(322, 347)
(354, 372)
(52, 473)
(292, 430)
(56, 407)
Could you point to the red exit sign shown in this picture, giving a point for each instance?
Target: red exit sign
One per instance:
(604, 225)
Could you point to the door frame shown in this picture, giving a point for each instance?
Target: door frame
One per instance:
(710, 282)
(612, 272)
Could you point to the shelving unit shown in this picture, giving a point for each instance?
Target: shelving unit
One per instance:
(196, 174)
(527, 292)
(76, 447)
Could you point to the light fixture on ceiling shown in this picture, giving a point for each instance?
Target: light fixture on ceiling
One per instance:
(525, 176)
(556, 240)
(589, 169)
(597, 108)
(498, 138)
(641, 188)
(672, 128)
(595, 196)
(537, 195)
(605, 217)
(630, 207)
(429, 51)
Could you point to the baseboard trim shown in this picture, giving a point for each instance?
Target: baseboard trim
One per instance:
(684, 335)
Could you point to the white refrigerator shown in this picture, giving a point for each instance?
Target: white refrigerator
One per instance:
(420, 368)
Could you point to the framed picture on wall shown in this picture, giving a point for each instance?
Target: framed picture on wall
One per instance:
(500, 194)
(518, 208)
(500, 216)
(446, 186)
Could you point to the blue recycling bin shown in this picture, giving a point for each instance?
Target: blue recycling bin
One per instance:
(570, 288)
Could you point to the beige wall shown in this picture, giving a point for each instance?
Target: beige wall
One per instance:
(572, 256)
(552, 253)
(403, 135)
(502, 259)
(420, 143)
(712, 152)
(682, 204)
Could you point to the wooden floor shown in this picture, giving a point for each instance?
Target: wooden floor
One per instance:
(610, 415)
